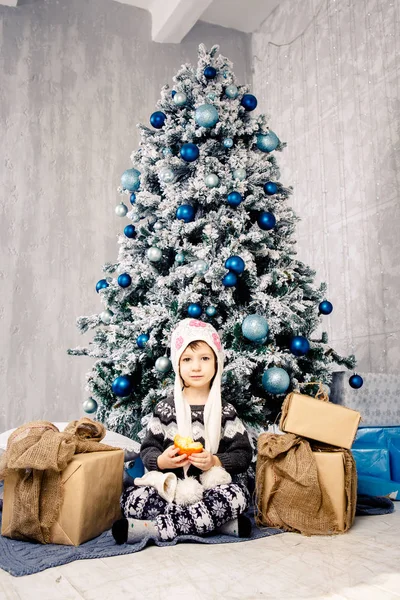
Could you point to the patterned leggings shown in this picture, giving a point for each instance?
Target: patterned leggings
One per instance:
(219, 505)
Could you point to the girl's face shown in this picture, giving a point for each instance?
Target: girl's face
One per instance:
(197, 366)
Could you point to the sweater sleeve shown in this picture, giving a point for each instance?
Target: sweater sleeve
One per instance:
(154, 442)
(235, 451)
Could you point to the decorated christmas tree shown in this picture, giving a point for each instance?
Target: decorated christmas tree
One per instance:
(211, 236)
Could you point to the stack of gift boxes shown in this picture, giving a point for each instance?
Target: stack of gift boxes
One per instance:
(331, 425)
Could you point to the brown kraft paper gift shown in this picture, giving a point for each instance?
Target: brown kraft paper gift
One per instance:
(304, 491)
(92, 485)
(318, 420)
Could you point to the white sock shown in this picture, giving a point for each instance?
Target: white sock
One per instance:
(230, 528)
(139, 529)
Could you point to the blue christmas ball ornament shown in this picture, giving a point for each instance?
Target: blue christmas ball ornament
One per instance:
(235, 264)
(356, 381)
(249, 102)
(101, 285)
(228, 142)
(142, 340)
(157, 119)
(266, 221)
(122, 386)
(211, 311)
(130, 180)
(185, 212)
(231, 91)
(206, 115)
(209, 72)
(270, 188)
(189, 152)
(234, 199)
(124, 280)
(267, 142)
(130, 231)
(299, 345)
(255, 328)
(132, 198)
(275, 380)
(230, 279)
(173, 93)
(325, 307)
(194, 310)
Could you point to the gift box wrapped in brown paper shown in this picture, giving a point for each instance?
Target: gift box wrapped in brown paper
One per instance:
(319, 420)
(92, 485)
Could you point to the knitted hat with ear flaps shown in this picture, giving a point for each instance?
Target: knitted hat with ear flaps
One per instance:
(187, 331)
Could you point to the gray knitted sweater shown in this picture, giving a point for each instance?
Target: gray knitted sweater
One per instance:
(234, 451)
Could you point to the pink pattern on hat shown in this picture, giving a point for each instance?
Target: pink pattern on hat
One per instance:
(179, 342)
(217, 341)
(196, 323)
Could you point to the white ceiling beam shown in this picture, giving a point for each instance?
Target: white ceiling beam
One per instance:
(9, 2)
(173, 19)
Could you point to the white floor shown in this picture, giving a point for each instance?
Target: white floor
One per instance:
(362, 564)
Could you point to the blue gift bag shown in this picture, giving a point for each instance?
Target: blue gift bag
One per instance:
(372, 461)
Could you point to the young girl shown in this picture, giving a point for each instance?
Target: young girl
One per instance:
(218, 496)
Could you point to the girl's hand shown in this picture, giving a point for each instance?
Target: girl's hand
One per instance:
(170, 459)
(202, 460)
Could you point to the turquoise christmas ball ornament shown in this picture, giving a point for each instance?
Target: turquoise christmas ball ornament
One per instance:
(239, 174)
(142, 340)
(275, 380)
(124, 280)
(167, 151)
(356, 381)
(101, 285)
(230, 279)
(235, 264)
(234, 199)
(206, 115)
(209, 72)
(325, 307)
(266, 221)
(267, 142)
(185, 212)
(211, 311)
(132, 198)
(255, 328)
(163, 364)
(249, 102)
(270, 188)
(130, 231)
(130, 180)
(231, 91)
(299, 345)
(90, 406)
(194, 310)
(180, 99)
(211, 180)
(228, 142)
(189, 152)
(180, 258)
(211, 96)
(122, 386)
(157, 119)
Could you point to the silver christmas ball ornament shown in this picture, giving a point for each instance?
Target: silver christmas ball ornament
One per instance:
(154, 254)
(211, 180)
(163, 364)
(239, 174)
(166, 175)
(89, 406)
(231, 91)
(158, 226)
(200, 266)
(121, 210)
(106, 316)
(180, 99)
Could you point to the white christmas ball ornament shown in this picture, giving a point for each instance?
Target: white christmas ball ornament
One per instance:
(121, 210)
(167, 175)
(106, 316)
(180, 99)
(200, 266)
(89, 406)
(211, 180)
(154, 254)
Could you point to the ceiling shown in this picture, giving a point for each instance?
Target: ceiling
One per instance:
(173, 19)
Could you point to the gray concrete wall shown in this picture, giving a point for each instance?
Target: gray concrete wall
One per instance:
(76, 77)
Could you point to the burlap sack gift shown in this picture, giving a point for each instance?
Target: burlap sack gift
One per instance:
(304, 489)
